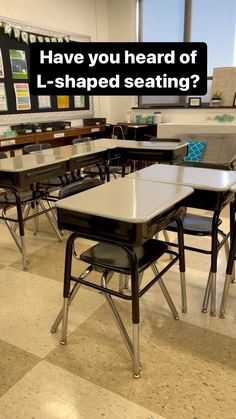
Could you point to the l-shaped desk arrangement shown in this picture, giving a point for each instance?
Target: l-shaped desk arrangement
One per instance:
(27, 170)
(130, 209)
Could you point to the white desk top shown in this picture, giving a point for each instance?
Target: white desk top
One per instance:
(27, 162)
(127, 200)
(198, 178)
(70, 151)
(233, 188)
(151, 145)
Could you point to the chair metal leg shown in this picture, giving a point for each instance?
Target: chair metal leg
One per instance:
(73, 293)
(233, 275)
(225, 296)
(25, 259)
(167, 239)
(213, 294)
(136, 359)
(36, 218)
(229, 270)
(166, 293)
(65, 308)
(20, 242)
(207, 294)
(126, 282)
(121, 282)
(140, 278)
(54, 225)
(183, 292)
(117, 318)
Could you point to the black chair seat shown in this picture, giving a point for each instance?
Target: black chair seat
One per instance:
(111, 256)
(79, 186)
(9, 198)
(196, 225)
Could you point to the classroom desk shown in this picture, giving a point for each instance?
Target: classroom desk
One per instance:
(24, 171)
(211, 192)
(125, 212)
(117, 149)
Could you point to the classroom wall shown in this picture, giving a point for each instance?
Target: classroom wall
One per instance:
(121, 28)
(88, 17)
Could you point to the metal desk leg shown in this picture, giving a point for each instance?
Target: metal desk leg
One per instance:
(229, 270)
(21, 228)
(66, 290)
(214, 254)
(232, 220)
(135, 315)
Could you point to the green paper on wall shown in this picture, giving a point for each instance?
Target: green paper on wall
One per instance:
(18, 64)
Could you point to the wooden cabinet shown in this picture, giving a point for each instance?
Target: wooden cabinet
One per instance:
(55, 138)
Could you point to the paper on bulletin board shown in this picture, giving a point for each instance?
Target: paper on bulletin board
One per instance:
(63, 102)
(22, 96)
(44, 102)
(79, 101)
(3, 98)
(224, 80)
(18, 64)
(1, 66)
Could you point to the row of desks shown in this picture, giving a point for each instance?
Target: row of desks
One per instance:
(129, 210)
(27, 169)
(211, 187)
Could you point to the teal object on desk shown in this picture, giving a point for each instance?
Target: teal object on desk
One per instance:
(150, 119)
(138, 119)
(9, 134)
(195, 150)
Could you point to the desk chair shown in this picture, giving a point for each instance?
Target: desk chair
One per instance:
(109, 258)
(200, 226)
(51, 183)
(102, 171)
(97, 170)
(46, 187)
(28, 199)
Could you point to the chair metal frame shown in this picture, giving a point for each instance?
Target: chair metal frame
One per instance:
(136, 293)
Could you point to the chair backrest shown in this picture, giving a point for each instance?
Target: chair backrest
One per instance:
(81, 140)
(3, 156)
(118, 132)
(27, 149)
(78, 186)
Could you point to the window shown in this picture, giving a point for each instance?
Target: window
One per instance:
(210, 21)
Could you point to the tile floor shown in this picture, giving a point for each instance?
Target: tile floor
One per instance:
(189, 366)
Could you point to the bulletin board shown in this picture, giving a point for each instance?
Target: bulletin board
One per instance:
(17, 105)
(224, 80)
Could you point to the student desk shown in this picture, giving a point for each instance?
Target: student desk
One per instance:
(125, 212)
(145, 150)
(26, 170)
(90, 152)
(23, 172)
(211, 192)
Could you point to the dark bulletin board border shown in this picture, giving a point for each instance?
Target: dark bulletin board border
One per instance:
(35, 114)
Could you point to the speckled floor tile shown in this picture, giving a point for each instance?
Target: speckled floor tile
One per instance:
(53, 256)
(29, 305)
(104, 404)
(14, 364)
(9, 252)
(203, 393)
(95, 351)
(51, 392)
